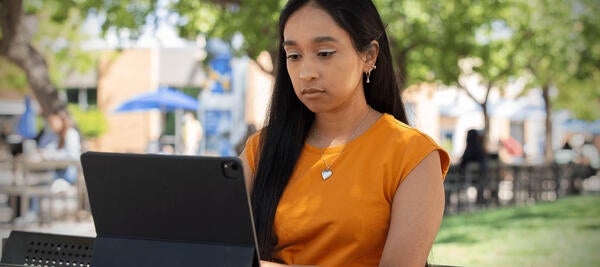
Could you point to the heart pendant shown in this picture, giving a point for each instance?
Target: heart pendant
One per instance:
(326, 173)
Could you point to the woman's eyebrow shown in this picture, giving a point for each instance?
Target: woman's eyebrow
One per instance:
(324, 39)
(320, 39)
(289, 43)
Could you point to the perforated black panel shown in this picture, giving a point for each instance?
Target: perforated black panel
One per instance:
(47, 250)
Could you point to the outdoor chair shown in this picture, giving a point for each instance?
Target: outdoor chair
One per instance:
(492, 182)
(21, 182)
(453, 184)
(475, 177)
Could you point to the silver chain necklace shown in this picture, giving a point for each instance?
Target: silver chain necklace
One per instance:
(327, 172)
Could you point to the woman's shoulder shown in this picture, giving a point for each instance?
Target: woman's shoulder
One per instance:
(254, 138)
(391, 129)
(72, 133)
(252, 144)
(402, 139)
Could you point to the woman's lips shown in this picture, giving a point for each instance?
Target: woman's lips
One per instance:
(312, 92)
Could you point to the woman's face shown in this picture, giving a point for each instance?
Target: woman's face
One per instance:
(55, 123)
(323, 65)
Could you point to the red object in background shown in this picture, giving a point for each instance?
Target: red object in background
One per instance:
(513, 146)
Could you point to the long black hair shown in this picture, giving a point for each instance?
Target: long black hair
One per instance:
(289, 121)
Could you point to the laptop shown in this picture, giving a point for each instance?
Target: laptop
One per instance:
(165, 210)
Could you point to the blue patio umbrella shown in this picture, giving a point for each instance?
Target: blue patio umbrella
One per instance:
(164, 99)
(26, 127)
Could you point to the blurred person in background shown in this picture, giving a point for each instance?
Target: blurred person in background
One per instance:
(62, 142)
(474, 151)
(590, 157)
(565, 154)
(58, 141)
(192, 134)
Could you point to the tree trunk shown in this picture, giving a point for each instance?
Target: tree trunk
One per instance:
(486, 115)
(486, 126)
(16, 46)
(36, 69)
(549, 152)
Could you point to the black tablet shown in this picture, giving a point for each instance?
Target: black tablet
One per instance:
(166, 210)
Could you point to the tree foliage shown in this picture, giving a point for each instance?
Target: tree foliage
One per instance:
(91, 123)
(429, 37)
(256, 20)
(557, 47)
(554, 42)
(563, 52)
(39, 46)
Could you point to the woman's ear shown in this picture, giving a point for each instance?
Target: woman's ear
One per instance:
(371, 55)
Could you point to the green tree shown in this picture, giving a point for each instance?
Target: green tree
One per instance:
(91, 123)
(37, 47)
(256, 20)
(555, 43)
(429, 37)
(579, 84)
(562, 52)
(493, 61)
(41, 41)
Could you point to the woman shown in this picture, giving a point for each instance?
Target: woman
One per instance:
(58, 141)
(61, 142)
(474, 151)
(336, 177)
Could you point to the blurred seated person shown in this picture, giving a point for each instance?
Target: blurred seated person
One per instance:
(61, 141)
(565, 154)
(474, 151)
(192, 134)
(58, 141)
(590, 157)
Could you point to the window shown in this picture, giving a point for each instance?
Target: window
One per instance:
(85, 98)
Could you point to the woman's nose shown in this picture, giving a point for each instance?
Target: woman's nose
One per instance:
(308, 71)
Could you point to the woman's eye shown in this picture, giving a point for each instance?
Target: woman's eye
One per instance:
(292, 56)
(325, 53)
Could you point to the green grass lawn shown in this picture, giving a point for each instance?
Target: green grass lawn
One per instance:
(565, 232)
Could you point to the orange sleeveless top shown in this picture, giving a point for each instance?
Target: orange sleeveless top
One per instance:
(344, 220)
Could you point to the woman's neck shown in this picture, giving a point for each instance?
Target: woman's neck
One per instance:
(339, 127)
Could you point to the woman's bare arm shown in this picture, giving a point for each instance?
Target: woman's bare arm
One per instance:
(417, 212)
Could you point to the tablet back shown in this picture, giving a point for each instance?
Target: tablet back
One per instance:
(164, 210)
